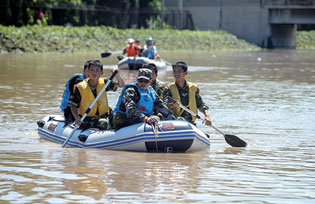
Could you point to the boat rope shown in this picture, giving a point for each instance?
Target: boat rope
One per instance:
(159, 128)
(155, 131)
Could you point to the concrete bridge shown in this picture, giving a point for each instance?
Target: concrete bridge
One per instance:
(266, 23)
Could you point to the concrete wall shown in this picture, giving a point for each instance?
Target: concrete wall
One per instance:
(247, 22)
(293, 15)
(266, 23)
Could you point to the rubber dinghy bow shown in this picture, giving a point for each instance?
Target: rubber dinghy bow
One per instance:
(91, 106)
(232, 140)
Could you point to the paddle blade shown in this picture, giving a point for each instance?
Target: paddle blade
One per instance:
(234, 141)
(105, 54)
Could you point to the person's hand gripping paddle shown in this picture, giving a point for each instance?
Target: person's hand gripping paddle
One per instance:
(91, 106)
(232, 140)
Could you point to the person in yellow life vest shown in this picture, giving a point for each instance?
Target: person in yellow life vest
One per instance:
(185, 93)
(85, 93)
(131, 49)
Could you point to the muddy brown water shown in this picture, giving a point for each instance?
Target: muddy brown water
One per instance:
(267, 98)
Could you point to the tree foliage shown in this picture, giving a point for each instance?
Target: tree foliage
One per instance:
(117, 13)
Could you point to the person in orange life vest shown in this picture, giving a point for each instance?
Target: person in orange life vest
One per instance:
(85, 93)
(186, 93)
(139, 47)
(131, 49)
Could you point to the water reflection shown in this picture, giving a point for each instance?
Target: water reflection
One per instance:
(94, 175)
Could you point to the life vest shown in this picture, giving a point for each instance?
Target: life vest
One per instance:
(66, 93)
(192, 104)
(87, 97)
(132, 50)
(144, 105)
(150, 53)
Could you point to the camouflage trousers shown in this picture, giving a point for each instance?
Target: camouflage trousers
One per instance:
(95, 122)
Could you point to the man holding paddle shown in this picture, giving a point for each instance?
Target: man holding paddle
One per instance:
(188, 101)
(75, 79)
(85, 93)
(185, 93)
(149, 49)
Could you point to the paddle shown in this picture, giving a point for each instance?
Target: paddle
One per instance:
(91, 106)
(232, 140)
(107, 54)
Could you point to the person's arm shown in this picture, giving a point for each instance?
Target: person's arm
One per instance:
(76, 115)
(160, 107)
(121, 82)
(167, 98)
(74, 101)
(155, 53)
(173, 104)
(203, 108)
(113, 85)
(148, 48)
(207, 117)
(130, 99)
(124, 53)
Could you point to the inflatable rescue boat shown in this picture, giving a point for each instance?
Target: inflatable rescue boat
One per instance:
(167, 136)
(138, 62)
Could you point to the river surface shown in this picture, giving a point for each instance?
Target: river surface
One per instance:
(267, 98)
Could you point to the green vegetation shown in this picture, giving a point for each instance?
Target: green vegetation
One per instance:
(33, 39)
(117, 13)
(305, 40)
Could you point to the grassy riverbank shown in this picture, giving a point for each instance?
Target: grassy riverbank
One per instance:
(32, 39)
(59, 39)
(305, 40)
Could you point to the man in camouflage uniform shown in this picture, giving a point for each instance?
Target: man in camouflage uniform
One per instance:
(156, 84)
(86, 91)
(186, 93)
(138, 103)
(69, 87)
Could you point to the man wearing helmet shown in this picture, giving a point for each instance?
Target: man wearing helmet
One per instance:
(149, 49)
(131, 49)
